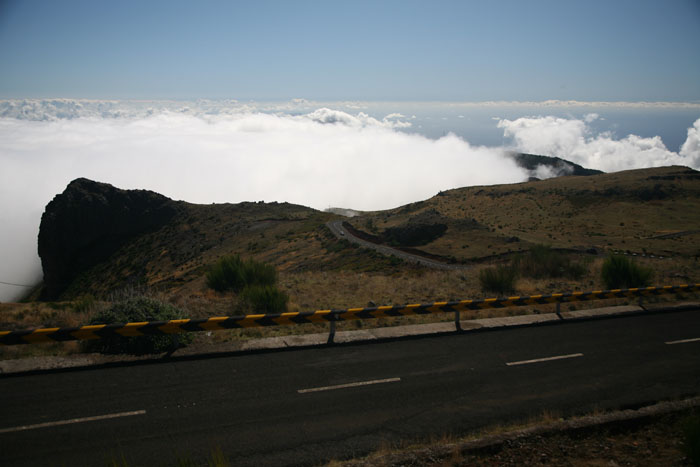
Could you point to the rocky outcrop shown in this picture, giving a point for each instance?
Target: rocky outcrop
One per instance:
(88, 222)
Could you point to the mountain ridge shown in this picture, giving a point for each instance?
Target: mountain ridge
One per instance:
(554, 165)
(173, 252)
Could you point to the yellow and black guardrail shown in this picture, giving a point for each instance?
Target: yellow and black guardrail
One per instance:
(99, 331)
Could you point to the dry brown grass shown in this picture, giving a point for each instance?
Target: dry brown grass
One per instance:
(547, 439)
(318, 271)
(314, 290)
(606, 212)
(15, 316)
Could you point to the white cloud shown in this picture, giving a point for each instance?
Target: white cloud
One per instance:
(572, 139)
(203, 154)
(691, 147)
(591, 117)
(325, 115)
(549, 136)
(544, 171)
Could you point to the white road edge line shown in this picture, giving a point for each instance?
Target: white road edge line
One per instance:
(684, 341)
(71, 421)
(546, 359)
(350, 385)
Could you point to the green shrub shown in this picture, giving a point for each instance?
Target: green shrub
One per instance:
(543, 262)
(137, 310)
(499, 279)
(234, 274)
(619, 272)
(691, 438)
(256, 273)
(265, 299)
(226, 274)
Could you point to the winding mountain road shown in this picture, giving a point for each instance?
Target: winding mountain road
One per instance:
(339, 231)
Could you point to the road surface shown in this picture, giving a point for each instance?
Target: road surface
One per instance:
(306, 406)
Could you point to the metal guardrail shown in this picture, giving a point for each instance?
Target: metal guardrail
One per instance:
(99, 331)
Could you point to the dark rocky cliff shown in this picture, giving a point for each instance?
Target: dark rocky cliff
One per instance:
(88, 222)
(558, 166)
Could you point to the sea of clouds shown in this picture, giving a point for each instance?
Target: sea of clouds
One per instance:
(315, 154)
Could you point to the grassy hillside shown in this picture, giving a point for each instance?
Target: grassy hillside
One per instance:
(636, 210)
(651, 211)
(174, 258)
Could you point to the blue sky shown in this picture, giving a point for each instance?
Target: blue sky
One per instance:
(612, 50)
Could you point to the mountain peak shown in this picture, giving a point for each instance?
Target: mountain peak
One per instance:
(537, 166)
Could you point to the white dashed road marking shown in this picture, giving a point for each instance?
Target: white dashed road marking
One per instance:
(71, 421)
(684, 341)
(546, 359)
(350, 385)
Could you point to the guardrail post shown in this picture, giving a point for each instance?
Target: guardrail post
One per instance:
(331, 334)
(559, 310)
(458, 325)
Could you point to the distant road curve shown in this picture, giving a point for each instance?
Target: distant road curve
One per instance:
(337, 228)
(675, 234)
(339, 231)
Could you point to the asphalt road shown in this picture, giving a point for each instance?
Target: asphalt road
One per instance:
(302, 407)
(336, 227)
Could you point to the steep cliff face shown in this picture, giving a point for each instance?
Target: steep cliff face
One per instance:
(88, 221)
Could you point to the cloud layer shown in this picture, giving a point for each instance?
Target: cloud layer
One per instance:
(320, 159)
(300, 152)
